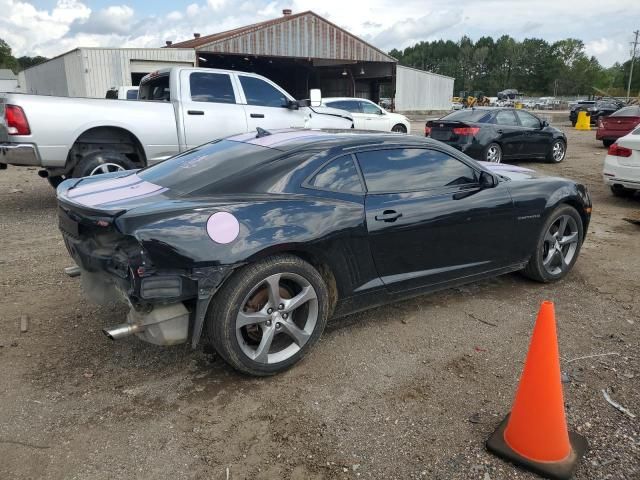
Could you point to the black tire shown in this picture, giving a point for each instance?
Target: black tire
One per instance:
(55, 181)
(550, 154)
(399, 128)
(608, 143)
(622, 192)
(89, 163)
(573, 123)
(535, 269)
(493, 146)
(220, 327)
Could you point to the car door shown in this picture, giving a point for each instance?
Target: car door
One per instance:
(538, 138)
(266, 105)
(374, 117)
(354, 108)
(210, 107)
(428, 220)
(510, 135)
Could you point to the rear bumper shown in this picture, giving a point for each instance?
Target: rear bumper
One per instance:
(21, 154)
(602, 134)
(616, 174)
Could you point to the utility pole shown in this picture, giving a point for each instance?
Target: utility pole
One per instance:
(633, 57)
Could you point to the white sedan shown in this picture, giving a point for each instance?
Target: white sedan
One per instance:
(622, 165)
(369, 116)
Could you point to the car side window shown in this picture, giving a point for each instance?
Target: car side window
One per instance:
(348, 105)
(260, 93)
(370, 108)
(506, 117)
(211, 87)
(339, 175)
(132, 94)
(410, 169)
(528, 120)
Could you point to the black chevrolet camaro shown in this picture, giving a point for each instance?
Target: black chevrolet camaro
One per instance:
(254, 241)
(497, 134)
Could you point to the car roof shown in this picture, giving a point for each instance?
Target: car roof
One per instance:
(294, 139)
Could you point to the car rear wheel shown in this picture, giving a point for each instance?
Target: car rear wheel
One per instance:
(268, 315)
(493, 153)
(557, 247)
(102, 162)
(399, 128)
(557, 152)
(608, 143)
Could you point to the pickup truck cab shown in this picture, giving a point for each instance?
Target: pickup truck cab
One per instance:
(177, 109)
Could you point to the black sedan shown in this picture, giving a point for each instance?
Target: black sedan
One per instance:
(596, 110)
(497, 134)
(254, 241)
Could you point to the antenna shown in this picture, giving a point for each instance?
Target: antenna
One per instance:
(262, 132)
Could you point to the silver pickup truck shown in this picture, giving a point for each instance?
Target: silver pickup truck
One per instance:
(178, 109)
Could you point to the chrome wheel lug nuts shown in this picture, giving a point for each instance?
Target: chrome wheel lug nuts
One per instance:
(269, 311)
(281, 306)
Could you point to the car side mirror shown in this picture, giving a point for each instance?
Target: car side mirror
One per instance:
(315, 97)
(487, 180)
(544, 124)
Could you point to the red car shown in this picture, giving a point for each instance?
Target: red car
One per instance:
(618, 124)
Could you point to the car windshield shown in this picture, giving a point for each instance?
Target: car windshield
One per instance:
(469, 115)
(208, 166)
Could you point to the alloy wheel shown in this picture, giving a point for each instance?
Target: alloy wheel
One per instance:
(277, 318)
(107, 168)
(560, 245)
(557, 152)
(494, 155)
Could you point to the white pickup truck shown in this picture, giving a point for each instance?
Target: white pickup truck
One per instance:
(178, 109)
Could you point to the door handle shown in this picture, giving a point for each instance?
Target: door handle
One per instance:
(195, 112)
(499, 131)
(388, 216)
(257, 115)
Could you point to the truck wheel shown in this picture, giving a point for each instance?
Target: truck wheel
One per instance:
(102, 162)
(607, 143)
(268, 315)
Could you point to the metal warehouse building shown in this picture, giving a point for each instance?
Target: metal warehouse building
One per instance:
(90, 72)
(298, 51)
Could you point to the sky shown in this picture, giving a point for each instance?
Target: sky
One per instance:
(52, 27)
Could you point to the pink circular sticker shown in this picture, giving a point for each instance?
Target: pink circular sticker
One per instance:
(223, 227)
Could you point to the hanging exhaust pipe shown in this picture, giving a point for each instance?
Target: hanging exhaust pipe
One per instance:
(122, 330)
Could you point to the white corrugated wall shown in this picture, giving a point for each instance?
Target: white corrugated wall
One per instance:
(417, 90)
(110, 67)
(48, 78)
(90, 72)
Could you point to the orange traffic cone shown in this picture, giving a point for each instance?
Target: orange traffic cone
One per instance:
(534, 435)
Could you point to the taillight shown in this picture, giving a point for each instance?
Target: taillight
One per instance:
(17, 123)
(616, 150)
(427, 130)
(466, 131)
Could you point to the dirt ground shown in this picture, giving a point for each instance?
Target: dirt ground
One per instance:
(408, 391)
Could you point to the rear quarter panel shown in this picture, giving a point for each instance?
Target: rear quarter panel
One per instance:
(331, 231)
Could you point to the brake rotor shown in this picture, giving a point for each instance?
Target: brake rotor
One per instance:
(257, 302)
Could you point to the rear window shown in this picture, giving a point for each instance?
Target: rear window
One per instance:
(208, 168)
(468, 115)
(155, 88)
(632, 111)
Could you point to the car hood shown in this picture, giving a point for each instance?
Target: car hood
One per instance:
(336, 112)
(512, 172)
